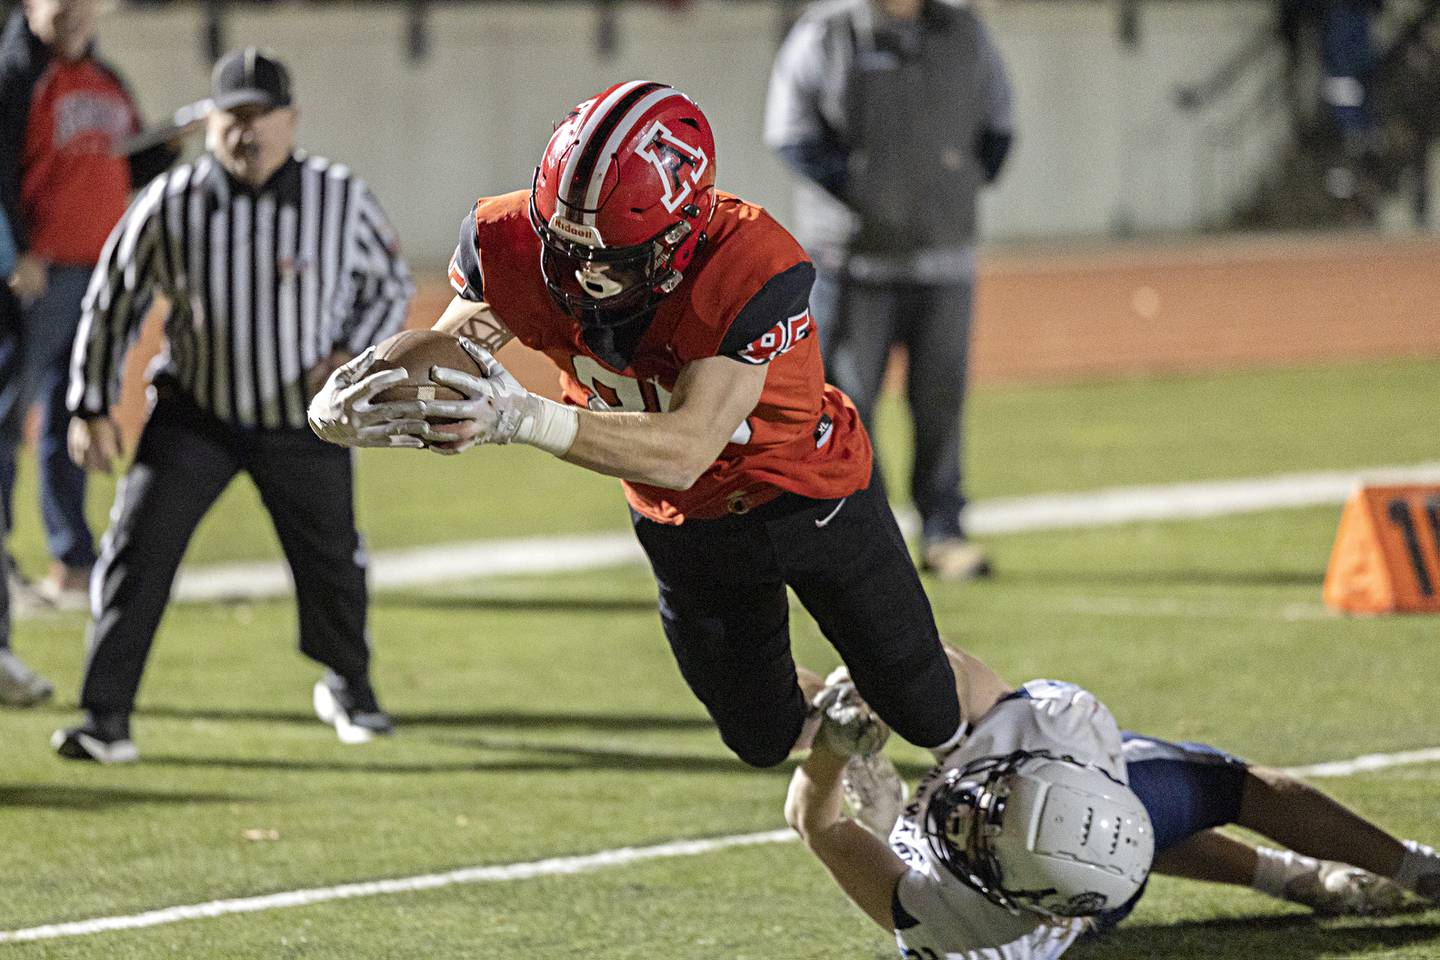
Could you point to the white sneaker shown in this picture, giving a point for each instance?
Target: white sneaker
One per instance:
(954, 558)
(26, 599)
(66, 588)
(1340, 890)
(874, 792)
(19, 685)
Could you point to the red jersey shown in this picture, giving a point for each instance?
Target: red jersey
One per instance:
(73, 186)
(745, 297)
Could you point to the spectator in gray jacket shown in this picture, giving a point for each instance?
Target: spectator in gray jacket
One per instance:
(895, 113)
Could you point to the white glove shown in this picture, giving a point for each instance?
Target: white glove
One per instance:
(497, 407)
(343, 412)
(848, 726)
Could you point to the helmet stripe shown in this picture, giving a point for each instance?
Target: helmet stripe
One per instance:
(622, 130)
(595, 132)
(567, 172)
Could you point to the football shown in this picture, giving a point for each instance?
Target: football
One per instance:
(415, 352)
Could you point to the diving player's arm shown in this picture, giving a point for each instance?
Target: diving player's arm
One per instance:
(669, 449)
(861, 863)
(672, 449)
(474, 320)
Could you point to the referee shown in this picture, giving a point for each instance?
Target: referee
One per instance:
(277, 267)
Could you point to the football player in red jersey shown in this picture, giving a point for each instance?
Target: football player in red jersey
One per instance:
(678, 317)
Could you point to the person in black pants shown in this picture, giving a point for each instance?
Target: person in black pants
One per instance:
(677, 315)
(278, 267)
(727, 617)
(895, 114)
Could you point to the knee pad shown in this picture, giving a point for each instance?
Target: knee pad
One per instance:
(915, 695)
(760, 755)
(765, 738)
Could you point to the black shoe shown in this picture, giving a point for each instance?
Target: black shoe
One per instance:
(351, 709)
(103, 738)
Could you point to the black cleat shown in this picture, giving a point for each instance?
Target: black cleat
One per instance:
(103, 738)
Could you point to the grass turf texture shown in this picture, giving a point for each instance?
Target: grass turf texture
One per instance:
(1021, 440)
(544, 717)
(1202, 630)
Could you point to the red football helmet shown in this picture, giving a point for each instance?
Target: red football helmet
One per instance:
(621, 200)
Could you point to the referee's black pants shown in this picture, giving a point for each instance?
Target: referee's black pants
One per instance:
(727, 616)
(185, 459)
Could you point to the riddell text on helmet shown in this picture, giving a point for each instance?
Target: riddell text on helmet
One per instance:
(579, 232)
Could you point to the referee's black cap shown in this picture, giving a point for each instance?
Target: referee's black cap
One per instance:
(251, 76)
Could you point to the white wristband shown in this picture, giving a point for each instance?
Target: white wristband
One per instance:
(549, 425)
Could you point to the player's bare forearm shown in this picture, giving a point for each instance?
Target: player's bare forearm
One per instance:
(671, 449)
(652, 448)
(814, 801)
(978, 687)
(861, 863)
(810, 682)
(475, 321)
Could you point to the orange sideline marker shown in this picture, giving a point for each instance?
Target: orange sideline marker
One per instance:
(1386, 557)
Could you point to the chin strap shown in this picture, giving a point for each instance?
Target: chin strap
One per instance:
(941, 751)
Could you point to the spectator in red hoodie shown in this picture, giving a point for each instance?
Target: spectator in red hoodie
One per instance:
(64, 185)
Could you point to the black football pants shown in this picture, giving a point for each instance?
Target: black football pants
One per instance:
(185, 459)
(726, 614)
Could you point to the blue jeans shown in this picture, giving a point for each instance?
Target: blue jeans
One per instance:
(4, 596)
(35, 368)
(1348, 52)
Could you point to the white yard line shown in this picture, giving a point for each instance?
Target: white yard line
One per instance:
(1184, 501)
(421, 566)
(1370, 761)
(553, 554)
(555, 866)
(552, 867)
(1188, 609)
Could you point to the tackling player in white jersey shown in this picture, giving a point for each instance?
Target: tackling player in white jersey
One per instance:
(1044, 823)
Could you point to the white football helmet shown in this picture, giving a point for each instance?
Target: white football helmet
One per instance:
(1036, 832)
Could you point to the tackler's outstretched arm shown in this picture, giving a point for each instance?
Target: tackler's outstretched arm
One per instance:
(861, 863)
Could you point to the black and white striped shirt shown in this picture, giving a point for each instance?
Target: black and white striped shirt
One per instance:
(263, 284)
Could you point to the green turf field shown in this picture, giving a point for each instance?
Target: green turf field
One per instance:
(1022, 440)
(543, 717)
